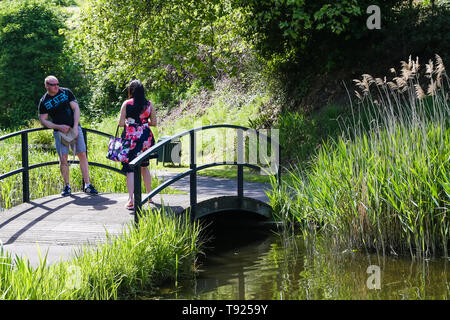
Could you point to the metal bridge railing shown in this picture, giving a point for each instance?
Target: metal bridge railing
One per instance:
(136, 163)
(26, 167)
(193, 168)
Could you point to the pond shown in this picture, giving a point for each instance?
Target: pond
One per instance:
(250, 260)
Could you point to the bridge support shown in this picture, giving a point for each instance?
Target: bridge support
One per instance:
(137, 193)
(25, 166)
(229, 204)
(193, 175)
(239, 201)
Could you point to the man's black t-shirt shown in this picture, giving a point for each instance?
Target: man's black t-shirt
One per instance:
(58, 106)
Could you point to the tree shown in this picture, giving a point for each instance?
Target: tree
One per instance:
(167, 44)
(307, 43)
(31, 47)
(283, 25)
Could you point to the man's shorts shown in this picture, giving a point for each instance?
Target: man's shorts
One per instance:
(80, 146)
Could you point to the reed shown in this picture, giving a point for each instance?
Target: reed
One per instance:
(385, 184)
(160, 248)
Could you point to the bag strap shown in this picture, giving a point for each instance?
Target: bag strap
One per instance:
(117, 130)
(74, 148)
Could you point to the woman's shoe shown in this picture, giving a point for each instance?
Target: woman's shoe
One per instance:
(130, 206)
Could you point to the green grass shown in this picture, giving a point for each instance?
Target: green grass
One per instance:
(160, 248)
(226, 105)
(302, 134)
(47, 180)
(384, 185)
(230, 172)
(225, 171)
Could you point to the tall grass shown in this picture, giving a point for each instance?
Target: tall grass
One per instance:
(385, 184)
(159, 248)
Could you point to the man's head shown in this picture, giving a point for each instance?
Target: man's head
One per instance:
(52, 85)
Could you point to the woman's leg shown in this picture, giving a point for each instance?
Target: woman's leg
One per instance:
(130, 187)
(147, 178)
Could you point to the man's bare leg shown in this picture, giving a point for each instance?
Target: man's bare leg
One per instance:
(84, 166)
(64, 168)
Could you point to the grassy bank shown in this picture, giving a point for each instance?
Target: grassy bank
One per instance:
(385, 185)
(161, 248)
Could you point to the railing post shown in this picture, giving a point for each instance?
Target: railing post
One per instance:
(137, 193)
(193, 176)
(279, 166)
(240, 161)
(85, 143)
(25, 173)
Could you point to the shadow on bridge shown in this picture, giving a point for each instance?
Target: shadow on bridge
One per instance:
(197, 209)
(80, 219)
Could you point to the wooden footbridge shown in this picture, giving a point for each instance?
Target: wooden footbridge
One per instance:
(57, 225)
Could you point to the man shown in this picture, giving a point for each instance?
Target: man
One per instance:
(62, 106)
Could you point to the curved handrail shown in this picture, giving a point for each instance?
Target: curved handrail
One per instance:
(26, 167)
(21, 132)
(135, 164)
(99, 132)
(144, 156)
(51, 163)
(43, 128)
(181, 175)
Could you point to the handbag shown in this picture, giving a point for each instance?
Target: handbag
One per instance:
(68, 138)
(118, 148)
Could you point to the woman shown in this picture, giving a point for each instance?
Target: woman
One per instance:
(137, 115)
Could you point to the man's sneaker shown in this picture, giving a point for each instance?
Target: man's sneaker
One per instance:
(66, 191)
(90, 189)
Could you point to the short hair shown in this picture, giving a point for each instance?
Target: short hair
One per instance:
(48, 78)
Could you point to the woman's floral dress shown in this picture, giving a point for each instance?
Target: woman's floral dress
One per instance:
(138, 132)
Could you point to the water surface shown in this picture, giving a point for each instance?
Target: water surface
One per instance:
(249, 261)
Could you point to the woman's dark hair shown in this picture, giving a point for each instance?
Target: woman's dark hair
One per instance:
(137, 92)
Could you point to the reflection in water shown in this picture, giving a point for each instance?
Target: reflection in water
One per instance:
(247, 260)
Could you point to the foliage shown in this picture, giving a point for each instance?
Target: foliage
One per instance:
(311, 131)
(64, 3)
(283, 25)
(385, 187)
(31, 47)
(306, 43)
(159, 248)
(166, 44)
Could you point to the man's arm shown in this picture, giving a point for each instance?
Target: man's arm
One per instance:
(76, 113)
(43, 119)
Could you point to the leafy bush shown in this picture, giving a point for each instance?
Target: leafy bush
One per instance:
(31, 47)
(385, 185)
(305, 44)
(301, 135)
(105, 98)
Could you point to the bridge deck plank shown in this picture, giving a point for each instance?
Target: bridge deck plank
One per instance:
(60, 225)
